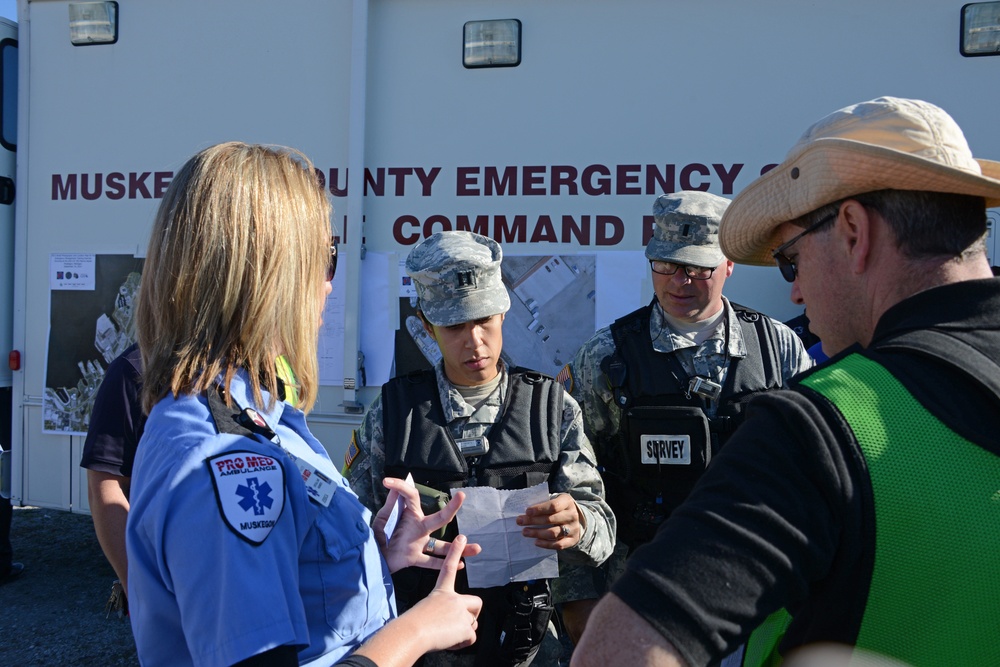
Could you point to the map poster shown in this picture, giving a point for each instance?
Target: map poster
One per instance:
(91, 310)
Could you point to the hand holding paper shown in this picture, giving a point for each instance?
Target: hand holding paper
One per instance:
(403, 532)
(555, 523)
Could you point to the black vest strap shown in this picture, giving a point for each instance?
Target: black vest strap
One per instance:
(941, 345)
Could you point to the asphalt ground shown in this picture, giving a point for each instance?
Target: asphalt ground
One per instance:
(53, 614)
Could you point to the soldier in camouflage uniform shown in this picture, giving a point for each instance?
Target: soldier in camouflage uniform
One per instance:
(476, 422)
(663, 387)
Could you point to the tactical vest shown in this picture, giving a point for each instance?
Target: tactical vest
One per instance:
(524, 446)
(665, 440)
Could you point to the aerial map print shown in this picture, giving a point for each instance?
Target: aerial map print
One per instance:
(90, 324)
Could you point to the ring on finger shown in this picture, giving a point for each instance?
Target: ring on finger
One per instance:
(429, 547)
(564, 529)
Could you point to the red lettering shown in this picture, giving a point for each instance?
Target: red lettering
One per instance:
(687, 171)
(426, 179)
(90, 194)
(375, 183)
(515, 233)
(467, 181)
(400, 174)
(564, 176)
(399, 235)
(436, 220)
(507, 185)
(259, 461)
(648, 222)
(657, 182)
(612, 236)
(63, 189)
(533, 180)
(335, 188)
(482, 226)
(544, 231)
(597, 180)
(607, 229)
(581, 231)
(161, 181)
(628, 175)
(728, 177)
(226, 465)
(114, 185)
(137, 185)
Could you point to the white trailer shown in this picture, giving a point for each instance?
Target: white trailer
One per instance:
(558, 153)
(8, 141)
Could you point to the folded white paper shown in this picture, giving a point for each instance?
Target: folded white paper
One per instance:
(488, 517)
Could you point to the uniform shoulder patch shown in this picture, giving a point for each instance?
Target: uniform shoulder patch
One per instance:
(351, 454)
(565, 378)
(250, 492)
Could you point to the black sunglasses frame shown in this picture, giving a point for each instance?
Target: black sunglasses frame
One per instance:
(789, 269)
(687, 269)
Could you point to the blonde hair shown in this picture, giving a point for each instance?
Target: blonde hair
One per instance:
(234, 274)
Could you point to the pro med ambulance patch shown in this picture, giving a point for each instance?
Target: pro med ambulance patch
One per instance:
(250, 491)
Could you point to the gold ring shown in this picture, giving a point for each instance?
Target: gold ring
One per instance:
(429, 547)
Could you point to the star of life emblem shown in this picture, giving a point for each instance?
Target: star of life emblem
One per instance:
(250, 491)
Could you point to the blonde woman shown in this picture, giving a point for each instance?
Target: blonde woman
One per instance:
(245, 545)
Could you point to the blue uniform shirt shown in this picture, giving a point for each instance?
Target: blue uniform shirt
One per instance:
(228, 556)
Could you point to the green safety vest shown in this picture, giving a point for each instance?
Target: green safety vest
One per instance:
(934, 596)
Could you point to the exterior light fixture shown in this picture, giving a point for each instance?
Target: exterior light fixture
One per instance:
(494, 43)
(93, 23)
(980, 29)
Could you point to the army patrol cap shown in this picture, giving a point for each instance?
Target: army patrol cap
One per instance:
(687, 229)
(457, 278)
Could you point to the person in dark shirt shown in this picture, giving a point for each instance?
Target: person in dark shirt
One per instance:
(859, 507)
(116, 424)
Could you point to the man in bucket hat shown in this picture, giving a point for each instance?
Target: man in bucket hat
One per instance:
(864, 500)
(472, 421)
(663, 387)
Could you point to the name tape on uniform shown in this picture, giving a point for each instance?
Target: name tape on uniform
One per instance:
(666, 449)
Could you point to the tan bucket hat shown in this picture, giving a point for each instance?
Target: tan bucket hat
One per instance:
(886, 143)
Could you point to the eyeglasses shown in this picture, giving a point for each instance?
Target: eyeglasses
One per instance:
(669, 269)
(331, 268)
(789, 269)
